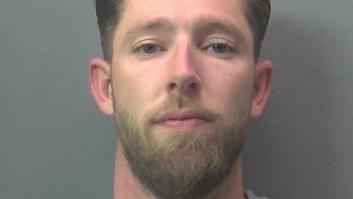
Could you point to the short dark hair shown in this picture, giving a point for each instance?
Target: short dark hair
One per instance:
(109, 13)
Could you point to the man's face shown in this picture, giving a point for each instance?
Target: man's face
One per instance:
(183, 79)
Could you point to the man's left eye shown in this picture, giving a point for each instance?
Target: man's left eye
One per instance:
(222, 50)
(219, 48)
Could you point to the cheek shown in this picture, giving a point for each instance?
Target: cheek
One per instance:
(228, 88)
(136, 86)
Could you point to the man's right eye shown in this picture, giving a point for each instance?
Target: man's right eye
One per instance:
(144, 50)
(148, 48)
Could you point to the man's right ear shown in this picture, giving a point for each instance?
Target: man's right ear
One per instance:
(100, 83)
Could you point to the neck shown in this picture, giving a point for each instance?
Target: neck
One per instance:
(127, 186)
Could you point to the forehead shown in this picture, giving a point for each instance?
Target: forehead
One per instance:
(183, 13)
(184, 7)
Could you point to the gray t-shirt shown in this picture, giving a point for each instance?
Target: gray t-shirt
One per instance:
(251, 195)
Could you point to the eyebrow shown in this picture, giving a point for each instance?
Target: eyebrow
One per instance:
(209, 24)
(202, 25)
(144, 27)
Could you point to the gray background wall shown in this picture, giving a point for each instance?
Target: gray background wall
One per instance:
(54, 143)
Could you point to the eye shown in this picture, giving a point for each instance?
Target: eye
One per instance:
(147, 49)
(220, 49)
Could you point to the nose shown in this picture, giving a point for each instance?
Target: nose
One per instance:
(184, 77)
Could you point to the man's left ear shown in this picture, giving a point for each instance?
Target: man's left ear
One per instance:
(262, 87)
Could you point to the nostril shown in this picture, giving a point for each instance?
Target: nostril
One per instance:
(183, 86)
(193, 85)
(172, 86)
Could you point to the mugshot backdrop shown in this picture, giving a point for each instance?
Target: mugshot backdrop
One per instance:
(55, 144)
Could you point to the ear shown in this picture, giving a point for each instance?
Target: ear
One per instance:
(100, 83)
(262, 87)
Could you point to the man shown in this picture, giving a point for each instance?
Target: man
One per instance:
(182, 79)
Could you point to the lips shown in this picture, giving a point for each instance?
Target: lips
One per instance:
(184, 118)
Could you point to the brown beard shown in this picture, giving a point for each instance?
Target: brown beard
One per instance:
(186, 165)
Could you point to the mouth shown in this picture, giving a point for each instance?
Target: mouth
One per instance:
(184, 119)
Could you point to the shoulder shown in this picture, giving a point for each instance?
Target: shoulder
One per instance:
(251, 195)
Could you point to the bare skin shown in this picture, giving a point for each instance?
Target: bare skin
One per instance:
(205, 54)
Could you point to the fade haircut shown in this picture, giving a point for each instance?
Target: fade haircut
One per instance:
(109, 13)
